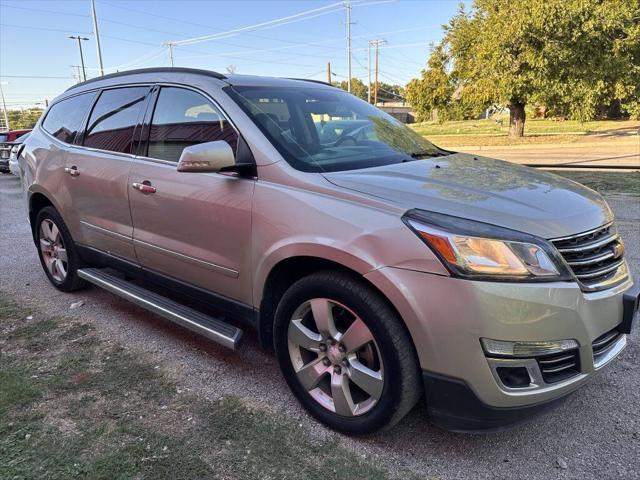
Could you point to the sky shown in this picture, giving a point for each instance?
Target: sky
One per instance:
(34, 41)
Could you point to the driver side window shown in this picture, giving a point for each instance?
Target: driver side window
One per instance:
(182, 118)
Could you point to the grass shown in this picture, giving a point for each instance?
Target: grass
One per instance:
(74, 405)
(532, 126)
(537, 131)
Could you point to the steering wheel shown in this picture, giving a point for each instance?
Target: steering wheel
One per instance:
(347, 140)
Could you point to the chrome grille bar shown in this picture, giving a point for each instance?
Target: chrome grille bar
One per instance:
(595, 257)
(601, 272)
(589, 246)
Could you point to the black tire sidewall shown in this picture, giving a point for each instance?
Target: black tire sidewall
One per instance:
(357, 299)
(71, 281)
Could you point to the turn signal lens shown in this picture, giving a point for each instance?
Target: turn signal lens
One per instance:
(502, 348)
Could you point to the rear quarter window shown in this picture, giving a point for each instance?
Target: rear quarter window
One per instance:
(65, 118)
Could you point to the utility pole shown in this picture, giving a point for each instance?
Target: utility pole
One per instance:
(95, 31)
(347, 5)
(5, 117)
(376, 44)
(369, 71)
(80, 40)
(78, 74)
(170, 46)
(329, 73)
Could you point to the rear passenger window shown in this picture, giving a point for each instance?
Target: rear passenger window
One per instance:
(65, 119)
(114, 118)
(182, 118)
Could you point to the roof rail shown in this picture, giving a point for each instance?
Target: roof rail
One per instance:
(321, 82)
(198, 71)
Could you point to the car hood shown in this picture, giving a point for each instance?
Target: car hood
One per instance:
(486, 190)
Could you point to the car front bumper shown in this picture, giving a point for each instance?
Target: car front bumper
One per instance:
(447, 317)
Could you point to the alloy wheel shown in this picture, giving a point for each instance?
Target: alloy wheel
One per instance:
(53, 250)
(335, 357)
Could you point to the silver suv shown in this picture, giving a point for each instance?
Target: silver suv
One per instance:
(379, 267)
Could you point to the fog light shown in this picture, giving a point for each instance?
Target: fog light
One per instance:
(502, 348)
(514, 377)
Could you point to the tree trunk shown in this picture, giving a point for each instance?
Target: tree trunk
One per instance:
(517, 117)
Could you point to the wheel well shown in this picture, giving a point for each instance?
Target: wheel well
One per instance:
(36, 203)
(285, 274)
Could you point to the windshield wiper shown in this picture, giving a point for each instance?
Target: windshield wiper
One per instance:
(425, 153)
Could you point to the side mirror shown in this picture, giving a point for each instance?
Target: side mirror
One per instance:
(207, 157)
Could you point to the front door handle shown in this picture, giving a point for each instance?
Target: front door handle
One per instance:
(73, 171)
(144, 187)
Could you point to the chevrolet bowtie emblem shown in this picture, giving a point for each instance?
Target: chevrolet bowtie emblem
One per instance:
(617, 249)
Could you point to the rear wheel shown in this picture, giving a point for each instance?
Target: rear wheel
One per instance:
(57, 252)
(345, 353)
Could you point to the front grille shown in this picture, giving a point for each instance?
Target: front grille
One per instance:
(559, 366)
(603, 343)
(594, 257)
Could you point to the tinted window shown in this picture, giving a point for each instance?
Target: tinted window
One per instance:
(114, 118)
(320, 129)
(182, 118)
(65, 119)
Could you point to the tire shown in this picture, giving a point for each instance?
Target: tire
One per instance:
(63, 274)
(392, 385)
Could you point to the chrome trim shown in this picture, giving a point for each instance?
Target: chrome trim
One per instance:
(212, 266)
(168, 309)
(620, 277)
(590, 260)
(582, 234)
(612, 334)
(590, 246)
(557, 360)
(602, 271)
(537, 383)
(611, 353)
(104, 230)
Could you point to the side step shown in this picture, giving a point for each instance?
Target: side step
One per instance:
(212, 328)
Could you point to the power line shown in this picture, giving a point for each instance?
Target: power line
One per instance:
(276, 22)
(66, 14)
(44, 29)
(33, 76)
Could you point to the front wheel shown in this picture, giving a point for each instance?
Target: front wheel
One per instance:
(57, 251)
(345, 353)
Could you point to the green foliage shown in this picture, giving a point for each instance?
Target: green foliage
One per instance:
(19, 119)
(358, 88)
(572, 55)
(436, 93)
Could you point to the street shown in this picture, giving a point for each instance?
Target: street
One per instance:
(595, 434)
(624, 153)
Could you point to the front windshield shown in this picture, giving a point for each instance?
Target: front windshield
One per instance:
(319, 129)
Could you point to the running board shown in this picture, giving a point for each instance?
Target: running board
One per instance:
(212, 328)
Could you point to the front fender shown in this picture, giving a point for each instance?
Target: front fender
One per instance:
(356, 259)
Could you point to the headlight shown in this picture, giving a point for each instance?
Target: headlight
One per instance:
(476, 249)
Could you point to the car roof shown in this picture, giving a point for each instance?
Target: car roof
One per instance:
(180, 74)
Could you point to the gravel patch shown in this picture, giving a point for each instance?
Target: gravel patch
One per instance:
(594, 434)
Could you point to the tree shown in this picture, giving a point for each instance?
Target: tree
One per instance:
(19, 119)
(433, 92)
(358, 88)
(573, 53)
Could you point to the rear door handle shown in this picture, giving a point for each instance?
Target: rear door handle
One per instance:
(73, 171)
(144, 187)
